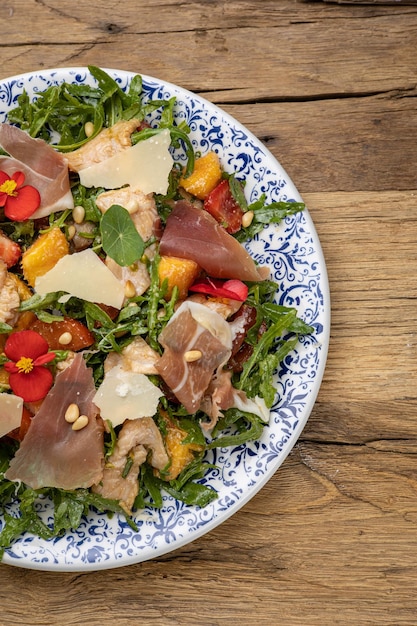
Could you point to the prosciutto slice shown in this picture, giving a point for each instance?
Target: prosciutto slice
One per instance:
(221, 395)
(192, 233)
(54, 455)
(193, 327)
(44, 168)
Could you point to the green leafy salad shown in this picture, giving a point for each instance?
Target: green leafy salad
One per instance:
(136, 331)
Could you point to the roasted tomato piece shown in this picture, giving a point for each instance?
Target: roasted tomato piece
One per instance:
(221, 204)
(10, 251)
(244, 319)
(68, 334)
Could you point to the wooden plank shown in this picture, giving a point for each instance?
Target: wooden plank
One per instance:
(341, 144)
(371, 361)
(76, 22)
(367, 2)
(296, 53)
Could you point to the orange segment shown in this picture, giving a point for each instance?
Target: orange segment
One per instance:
(207, 173)
(178, 272)
(43, 254)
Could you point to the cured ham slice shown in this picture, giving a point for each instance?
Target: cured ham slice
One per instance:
(44, 168)
(192, 233)
(52, 454)
(193, 329)
(221, 395)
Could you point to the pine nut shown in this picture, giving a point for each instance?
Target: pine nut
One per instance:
(247, 219)
(65, 338)
(78, 214)
(72, 413)
(80, 422)
(130, 289)
(192, 355)
(88, 129)
(71, 232)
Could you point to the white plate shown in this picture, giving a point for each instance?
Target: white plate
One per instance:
(292, 250)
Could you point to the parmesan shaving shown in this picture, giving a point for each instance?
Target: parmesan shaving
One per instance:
(125, 395)
(83, 275)
(11, 410)
(145, 166)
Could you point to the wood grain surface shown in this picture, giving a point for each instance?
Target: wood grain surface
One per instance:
(330, 87)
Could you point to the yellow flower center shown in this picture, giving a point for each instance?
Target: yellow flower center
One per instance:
(25, 365)
(9, 187)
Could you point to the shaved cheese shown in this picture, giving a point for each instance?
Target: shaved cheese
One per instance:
(255, 405)
(11, 410)
(83, 275)
(208, 319)
(144, 166)
(125, 395)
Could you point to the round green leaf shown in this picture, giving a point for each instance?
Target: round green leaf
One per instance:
(119, 237)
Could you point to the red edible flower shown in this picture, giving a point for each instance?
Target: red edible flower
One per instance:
(28, 353)
(233, 289)
(19, 201)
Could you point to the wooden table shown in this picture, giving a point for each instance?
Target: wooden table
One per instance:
(330, 87)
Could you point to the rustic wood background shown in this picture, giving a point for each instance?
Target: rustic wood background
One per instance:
(330, 87)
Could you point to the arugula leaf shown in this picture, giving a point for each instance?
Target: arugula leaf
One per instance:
(95, 313)
(268, 366)
(236, 188)
(264, 214)
(275, 311)
(120, 239)
(38, 302)
(264, 344)
(240, 420)
(193, 430)
(69, 509)
(87, 199)
(192, 493)
(159, 311)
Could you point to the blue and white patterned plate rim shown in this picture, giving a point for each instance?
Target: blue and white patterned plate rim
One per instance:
(293, 252)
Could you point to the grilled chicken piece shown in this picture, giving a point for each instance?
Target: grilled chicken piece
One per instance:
(135, 279)
(137, 357)
(9, 297)
(108, 142)
(143, 212)
(141, 207)
(137, 439)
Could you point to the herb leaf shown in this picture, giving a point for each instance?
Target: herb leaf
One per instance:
(264, 214)
(120, 239)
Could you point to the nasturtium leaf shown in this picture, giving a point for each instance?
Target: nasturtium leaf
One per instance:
(119, 237)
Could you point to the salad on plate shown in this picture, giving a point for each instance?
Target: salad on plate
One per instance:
(136, 330)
